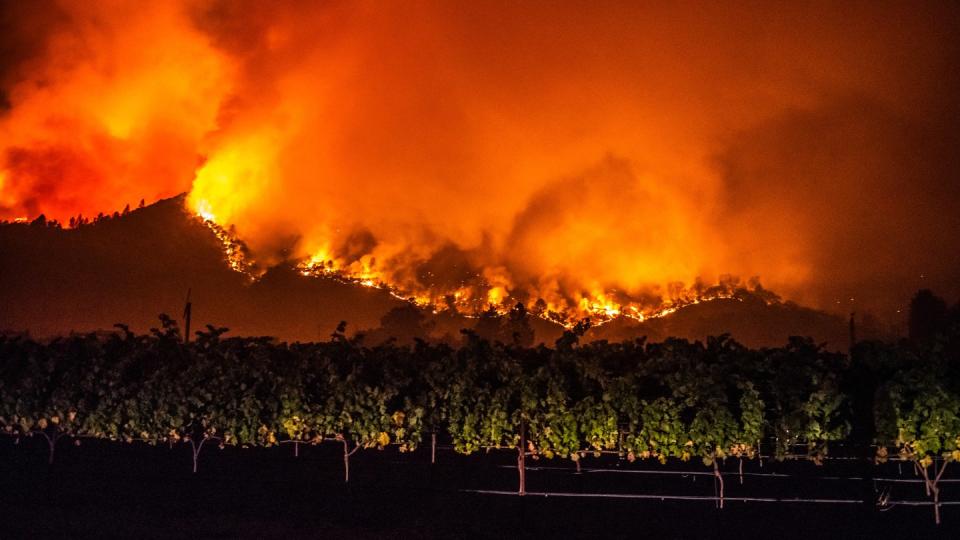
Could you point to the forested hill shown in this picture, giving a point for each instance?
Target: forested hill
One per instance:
(134, 266)
(752, 320)
(130, 267)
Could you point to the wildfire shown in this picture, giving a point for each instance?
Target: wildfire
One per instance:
(599, 306)
(234, 251)
(578, 160)
(232, 180)
(204, 211)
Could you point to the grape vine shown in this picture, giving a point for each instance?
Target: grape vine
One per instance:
(677, 400)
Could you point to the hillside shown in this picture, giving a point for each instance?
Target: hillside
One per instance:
(748, 319)
(131, 267)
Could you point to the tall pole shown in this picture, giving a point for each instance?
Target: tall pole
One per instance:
(521, 461)
(864, 386)
(853, 331)
(186, 315)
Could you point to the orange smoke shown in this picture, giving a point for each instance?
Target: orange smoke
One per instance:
(114, 110)
(585, 155)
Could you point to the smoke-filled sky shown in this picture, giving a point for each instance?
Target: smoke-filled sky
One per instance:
(563, 150)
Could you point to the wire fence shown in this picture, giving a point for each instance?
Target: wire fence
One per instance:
(702, 498)
(595, 470)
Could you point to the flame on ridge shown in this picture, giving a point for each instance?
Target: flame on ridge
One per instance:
(600, 307)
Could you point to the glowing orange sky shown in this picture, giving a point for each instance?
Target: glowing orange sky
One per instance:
(556, 151)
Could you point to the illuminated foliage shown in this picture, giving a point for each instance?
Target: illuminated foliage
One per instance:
(672, 400)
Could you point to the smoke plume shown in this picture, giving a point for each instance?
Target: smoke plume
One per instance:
(582, 153)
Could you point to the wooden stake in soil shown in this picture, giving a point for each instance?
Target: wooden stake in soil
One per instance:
(346, 458)
(521, 455)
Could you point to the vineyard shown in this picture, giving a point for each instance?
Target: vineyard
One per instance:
(711, 409)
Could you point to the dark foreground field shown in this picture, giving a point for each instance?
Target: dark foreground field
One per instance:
(110, 490)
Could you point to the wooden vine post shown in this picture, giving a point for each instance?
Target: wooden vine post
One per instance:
(521, 457)
(296, 446)
(187, 313)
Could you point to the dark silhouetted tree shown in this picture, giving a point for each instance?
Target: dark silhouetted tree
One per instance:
(571, 338)
(518, 326)
(405, 323)
(488, 325)
(928, 313)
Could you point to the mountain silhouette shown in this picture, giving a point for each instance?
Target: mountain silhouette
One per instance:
(129, 268)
